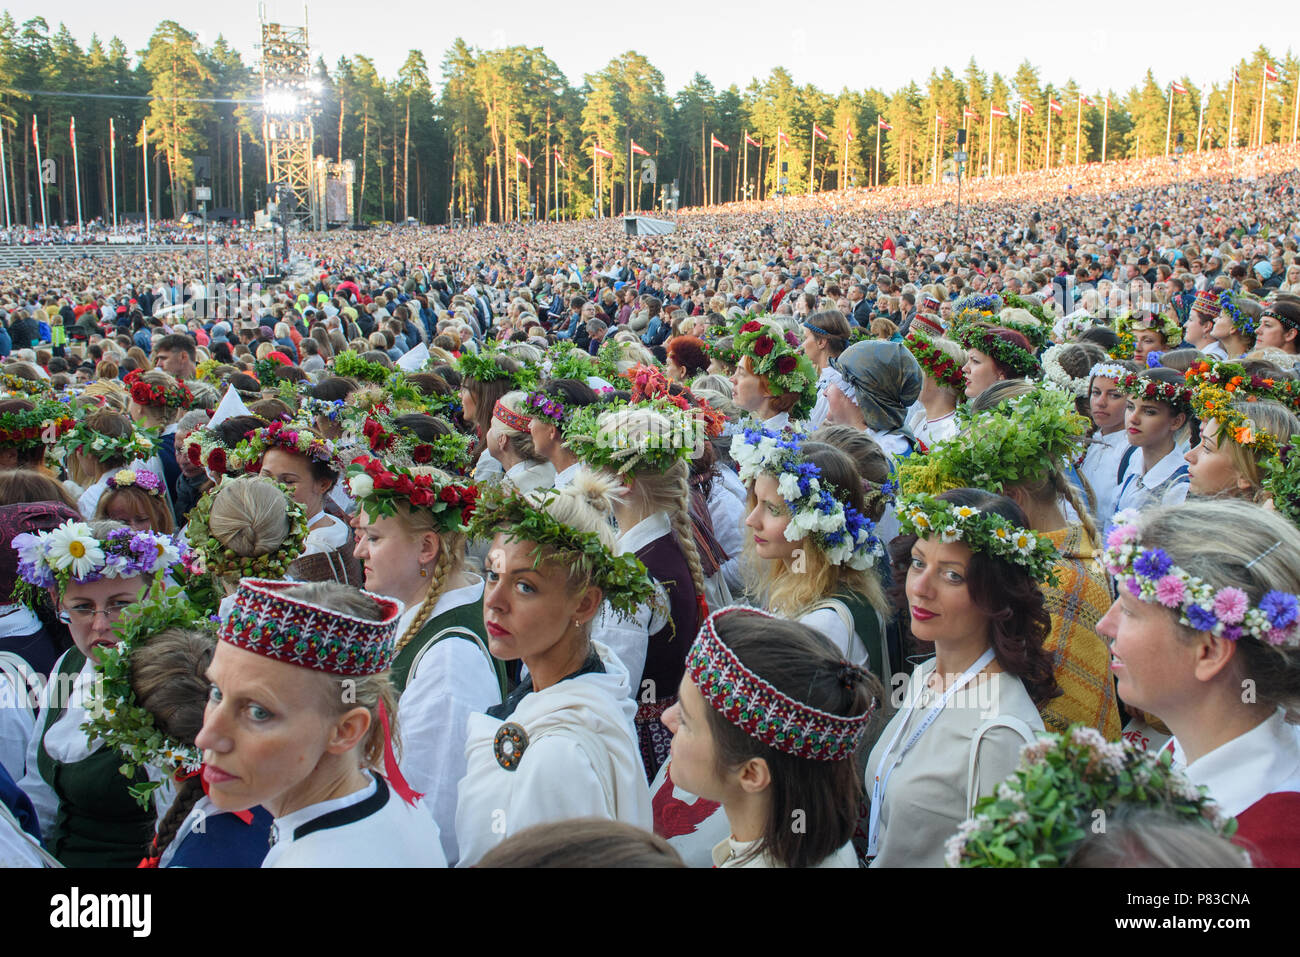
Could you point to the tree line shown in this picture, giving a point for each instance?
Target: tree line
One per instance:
(506, 135)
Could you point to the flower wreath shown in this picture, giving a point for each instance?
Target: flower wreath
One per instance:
(350, 365)
(726, 355)
(401, 447)
(1020, 361)
(143, 479)
(1039, 335)
(208, 556)
(1107, 370)
(113, 714)
(71, 553)
(1234, 378)
(206, 371)
(1150, 575)
(139, 444)
(622, 579)
(653, 451)
(1163, 322)
(1034, 307)
(1018, 440)
(31, 428)
(205, 449)
(176, 396)
(1177, 397)
(1244, 324)
(1210, 401)
(1282, 479)
(378, 489)
(30, 387)
(926, 516)
(330, 409)
(484, 367)
(1055, 376)
(1079, 321)
(542, 406)
(267, 371)
(977, 307)
(574, 363)
(1040, 815)
(775, 355)
(294, 437)
(1124, 348)
(938, 365)
(844, 535)
(650, 384)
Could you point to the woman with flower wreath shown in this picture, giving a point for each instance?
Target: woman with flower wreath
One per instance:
(818, 550)
(1198, 615)
(410, 538)
(28, 428)
(825, 335)
(646, 448)
(1240, 431)
(1235, 329)
(994, 353)
(485, 378)
(563, 744)
(137, 498)
(967, 570)
(1106, 408)
(94, 571)
(773, 381)
(1153, 332)
(1019, 449)
(509, 440)
(149, 708)
(767, 723)
(943, 386)
(300, 719)
(548, 407)
(307, 465)
(100, 443)
(1152, 469)
(157, 402)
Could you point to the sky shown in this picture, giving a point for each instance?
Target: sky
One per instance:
(830, 43)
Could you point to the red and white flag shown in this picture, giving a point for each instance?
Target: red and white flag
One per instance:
(940, 120)
(782, 137)
(36, 142)
(1235, 77)
(883, 124)
(1084, 101)
(602, 152)
(521, 158)
(1054, 106)
(72, 131)
(818, 132)
(848, 135)
(560, 160)
(638, 150)
(1026, 107)
(996, 112)
(1270, 72)
(1177, 87)
(967, 113)
(719, 144)
(752, 142)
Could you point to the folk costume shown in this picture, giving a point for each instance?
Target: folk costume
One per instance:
(382, 824)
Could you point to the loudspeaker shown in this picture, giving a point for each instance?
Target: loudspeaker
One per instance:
(202, 169)
(961, 137)
(785, 167)
(1180, 138)
(629, 225)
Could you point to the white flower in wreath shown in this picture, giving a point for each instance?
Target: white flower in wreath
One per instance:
(788, 486)
(1023, 542)
(950, 534)
(74, 546)
(965, 512)
(98, 445)
(361, 485)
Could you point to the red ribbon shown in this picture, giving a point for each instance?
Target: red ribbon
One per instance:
(245, 816)
(702, 604)
(391, 770)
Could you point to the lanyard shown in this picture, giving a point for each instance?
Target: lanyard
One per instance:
(882, 780)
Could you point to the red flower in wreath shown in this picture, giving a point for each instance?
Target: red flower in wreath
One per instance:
(422, 497)
(449, 495)
(466, 514)
(786, 364)
(404, 485)
(385, 481)
(751, 326)
(194, 453)
(217, 461)
(763, 345)
(422, 454)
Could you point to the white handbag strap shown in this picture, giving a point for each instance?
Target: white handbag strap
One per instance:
(972, 767)
(8, 820)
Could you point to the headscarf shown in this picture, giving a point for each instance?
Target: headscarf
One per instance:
(886, 380)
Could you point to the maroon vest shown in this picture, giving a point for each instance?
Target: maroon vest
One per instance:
(665, 658)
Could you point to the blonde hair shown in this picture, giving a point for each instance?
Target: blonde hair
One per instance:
(585, 505)
(451, 556)
(248, 517)
(83, 466)
(162, 415)
(342, 694)
(1265, 415)
(1230, 543)
(160, 514)
(667, 491)
(110, 390)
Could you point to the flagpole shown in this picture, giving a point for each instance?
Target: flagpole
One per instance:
(876, 181)
(631, 207)
(144, 146)
(1263, 86)
(1105, 122)
(1048, 164)
(934, 154)
(812, 161)
(76, 170)
(778, 162)
(112, 162)
(1020, 126)
(991, 138)
(1200, 121)
(711, 151)
(40, 180)
(744, 165)
(1169, 120)
(1078, 126)
(844, 183)
(4, 175)
(1295, 111)
(1232, 107)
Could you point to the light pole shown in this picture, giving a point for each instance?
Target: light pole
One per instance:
(203, 194)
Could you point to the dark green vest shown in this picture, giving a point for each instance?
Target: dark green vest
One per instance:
(464, 622)
(867, 624)
(99, 823)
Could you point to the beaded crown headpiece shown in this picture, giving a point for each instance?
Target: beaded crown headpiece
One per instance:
(755, 706)
(268, 623)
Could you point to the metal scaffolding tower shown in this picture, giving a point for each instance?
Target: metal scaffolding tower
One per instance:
(290, 96)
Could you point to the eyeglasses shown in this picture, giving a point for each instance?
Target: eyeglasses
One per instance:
(85, 614)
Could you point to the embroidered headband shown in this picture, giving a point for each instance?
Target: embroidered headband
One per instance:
(752, 704)
(507, 416)
(267, 623)
(1150, 575)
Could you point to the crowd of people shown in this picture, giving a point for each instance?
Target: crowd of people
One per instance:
(827, 533)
